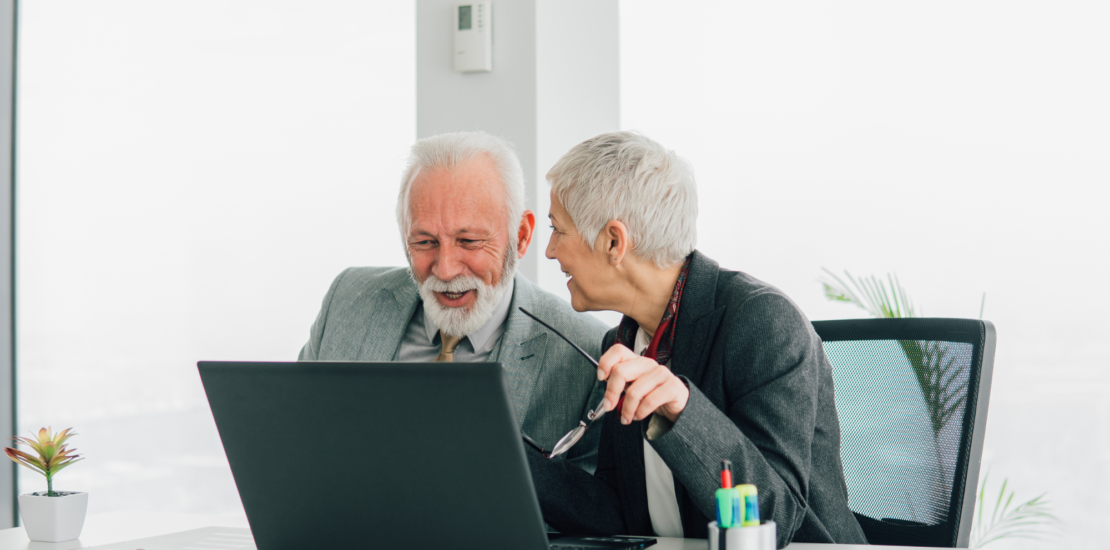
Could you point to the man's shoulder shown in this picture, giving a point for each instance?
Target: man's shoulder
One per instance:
(360, 279)
(558, 313)
(361, 311)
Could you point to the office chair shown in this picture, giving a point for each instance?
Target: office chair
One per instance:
(912, 399)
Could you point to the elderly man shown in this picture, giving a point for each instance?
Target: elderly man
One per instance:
(462, 217)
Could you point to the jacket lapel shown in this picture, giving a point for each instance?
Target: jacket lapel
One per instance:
(521, 350)
(387, 314)
(698, 319)
(691, 352)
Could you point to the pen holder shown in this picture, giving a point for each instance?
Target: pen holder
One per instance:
(763, 537)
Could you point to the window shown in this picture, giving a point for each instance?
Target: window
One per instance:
(192, 177)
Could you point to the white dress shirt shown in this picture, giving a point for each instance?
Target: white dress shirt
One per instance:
(662, 502)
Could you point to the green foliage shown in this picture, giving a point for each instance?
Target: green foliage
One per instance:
(54, 454)
(1009, 521)
(935, 371)
(871, 294)
(944, 396)
(933, 366)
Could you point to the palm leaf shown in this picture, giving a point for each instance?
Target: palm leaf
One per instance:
(931, 362)
(945, 394)
(1025, 520)
(870, 294)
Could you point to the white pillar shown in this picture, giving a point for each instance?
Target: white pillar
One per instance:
(555, 82)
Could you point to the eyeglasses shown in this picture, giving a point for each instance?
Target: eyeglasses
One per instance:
(573, 436)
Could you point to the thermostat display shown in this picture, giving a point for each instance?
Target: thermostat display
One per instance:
(473, 37)
(464, 17)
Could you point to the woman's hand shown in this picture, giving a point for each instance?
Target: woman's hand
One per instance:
(648, 387)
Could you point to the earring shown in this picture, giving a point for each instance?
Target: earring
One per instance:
(614, 260)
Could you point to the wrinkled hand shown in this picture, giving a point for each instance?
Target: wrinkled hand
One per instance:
(648, 387)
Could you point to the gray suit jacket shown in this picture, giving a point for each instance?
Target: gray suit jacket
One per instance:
(761, 395)
(366, 310)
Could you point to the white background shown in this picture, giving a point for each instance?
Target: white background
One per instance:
(192, 176)
(964, 146)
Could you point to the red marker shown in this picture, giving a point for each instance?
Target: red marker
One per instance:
(726, 507)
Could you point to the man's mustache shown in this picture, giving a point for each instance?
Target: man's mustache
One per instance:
(461, 283)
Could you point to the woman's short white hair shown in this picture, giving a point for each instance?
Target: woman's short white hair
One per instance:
(450, 150)
(627, 177)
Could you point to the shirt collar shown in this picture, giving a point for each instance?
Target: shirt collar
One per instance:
(484, 336)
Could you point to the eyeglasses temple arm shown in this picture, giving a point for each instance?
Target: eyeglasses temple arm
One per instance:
(533, 444)
(552, 329)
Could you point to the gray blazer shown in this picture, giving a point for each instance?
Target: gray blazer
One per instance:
(761, 395)
(366, 310)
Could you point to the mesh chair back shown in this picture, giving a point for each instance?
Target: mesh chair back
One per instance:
(912, 398)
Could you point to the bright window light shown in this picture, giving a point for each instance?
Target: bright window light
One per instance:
(192, 176)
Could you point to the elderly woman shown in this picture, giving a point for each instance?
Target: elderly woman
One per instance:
(714, 364)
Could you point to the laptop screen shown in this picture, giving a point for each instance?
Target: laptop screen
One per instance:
(388, 455)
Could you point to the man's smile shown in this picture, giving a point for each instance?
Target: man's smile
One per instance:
(454, 299)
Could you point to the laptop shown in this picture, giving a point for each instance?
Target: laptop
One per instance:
(382, 455)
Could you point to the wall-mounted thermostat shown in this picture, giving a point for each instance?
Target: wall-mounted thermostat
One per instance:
(473, 37)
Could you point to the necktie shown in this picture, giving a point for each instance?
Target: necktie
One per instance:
(447, 353)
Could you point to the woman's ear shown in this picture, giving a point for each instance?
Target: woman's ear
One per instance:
(614, 241)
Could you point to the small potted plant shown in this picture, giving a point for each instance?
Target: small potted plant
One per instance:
(51, 516)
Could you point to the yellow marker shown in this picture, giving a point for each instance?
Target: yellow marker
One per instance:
(749, 502)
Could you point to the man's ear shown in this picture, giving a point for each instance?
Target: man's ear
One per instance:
(615, 241)
(524, 233)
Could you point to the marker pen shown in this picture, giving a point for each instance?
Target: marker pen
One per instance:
(727, 505)
(749, 497)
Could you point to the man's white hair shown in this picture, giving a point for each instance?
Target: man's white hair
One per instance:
(450, 150)
(627, 177)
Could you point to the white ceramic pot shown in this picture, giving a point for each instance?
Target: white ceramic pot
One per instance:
(53, 519)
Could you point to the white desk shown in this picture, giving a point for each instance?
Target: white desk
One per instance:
(122, 526)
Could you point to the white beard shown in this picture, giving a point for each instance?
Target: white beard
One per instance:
(461, 321)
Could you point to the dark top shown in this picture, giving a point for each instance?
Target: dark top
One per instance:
(761, 395)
